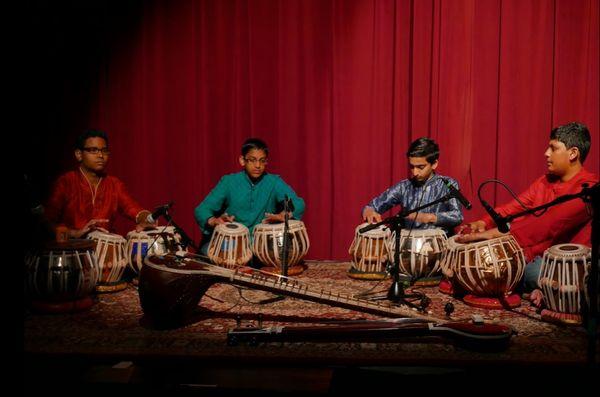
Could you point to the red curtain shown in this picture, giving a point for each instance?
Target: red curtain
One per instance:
(338, 89)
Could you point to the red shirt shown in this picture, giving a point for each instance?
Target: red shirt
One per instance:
(566, 222)
(73, 202)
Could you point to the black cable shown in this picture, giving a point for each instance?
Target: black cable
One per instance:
(511, 193)
(240, 289)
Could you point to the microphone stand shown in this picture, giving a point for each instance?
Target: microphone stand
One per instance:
(588, 195)
(286, 239)
(396, 224)
(185, 239)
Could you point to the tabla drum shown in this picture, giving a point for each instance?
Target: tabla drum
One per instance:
(61, 277)
(449, 284)
(563, 271)
(487, 270)
(370, 252)
(112, 261)
(268, 246)
(421, 251)
(230, 245)
(156, 241)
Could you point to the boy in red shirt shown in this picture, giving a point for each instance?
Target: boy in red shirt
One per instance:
(566, 222)
(87, 199)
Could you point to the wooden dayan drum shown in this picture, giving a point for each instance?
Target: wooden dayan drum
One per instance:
(370, 252)
(229, 245)
(563, 271)
(110, 251)
(157, 241)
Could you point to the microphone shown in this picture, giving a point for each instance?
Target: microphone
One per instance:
(35, 205)
(159, 211)
(368, 227)
(500, 221)
(457, 194)
(288, 203)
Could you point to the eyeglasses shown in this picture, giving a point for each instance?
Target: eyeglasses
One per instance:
(255, 161)
(95, 150)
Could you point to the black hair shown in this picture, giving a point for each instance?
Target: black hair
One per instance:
(80, 142)
(424, 147)
(254, 143)
(574, 134)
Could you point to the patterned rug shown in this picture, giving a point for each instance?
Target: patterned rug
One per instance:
(115, 326)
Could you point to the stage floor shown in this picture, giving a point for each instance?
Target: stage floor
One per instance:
(115, 331)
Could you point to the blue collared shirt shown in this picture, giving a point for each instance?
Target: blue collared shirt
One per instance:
(410, 195)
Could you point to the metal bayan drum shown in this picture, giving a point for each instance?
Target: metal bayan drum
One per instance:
(110, 251)
(157, 241)
(487, 270)
(421, 252)
(62, 276)
(229, 245)
(370, 253)
(449, 284)
(563, 271)
(268, 246)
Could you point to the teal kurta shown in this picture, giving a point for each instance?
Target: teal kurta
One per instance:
(236, 195)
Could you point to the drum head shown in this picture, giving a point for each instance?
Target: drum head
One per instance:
(380, 231)
(70, 245)
(101, 236)
(231, 229)
(569, 250)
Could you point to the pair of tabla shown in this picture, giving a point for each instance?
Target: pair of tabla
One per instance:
(62, 276)
(230, 245)
(115, 253)
(421, 251)
(487, 272)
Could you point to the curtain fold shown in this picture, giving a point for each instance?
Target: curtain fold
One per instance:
(338, 89)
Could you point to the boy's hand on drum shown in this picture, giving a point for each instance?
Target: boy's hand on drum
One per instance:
(275, 218)
(479, 236)
(469, 238)
(145, 226)
(422, 217)
(473, 227)
(142, 221)
(92, 225)
(214, 221)
(371, 216)
(536, 297)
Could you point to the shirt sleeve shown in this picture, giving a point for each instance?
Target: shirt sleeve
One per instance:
(127, 205)
(211, 204)
(282, 189)
(452, 217)
(560, 223)
(56, 202)
(513, 206)
(388, 199)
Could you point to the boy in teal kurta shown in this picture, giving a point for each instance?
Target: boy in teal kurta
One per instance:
(249, 197)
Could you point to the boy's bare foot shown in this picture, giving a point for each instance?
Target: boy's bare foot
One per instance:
(536, 297)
